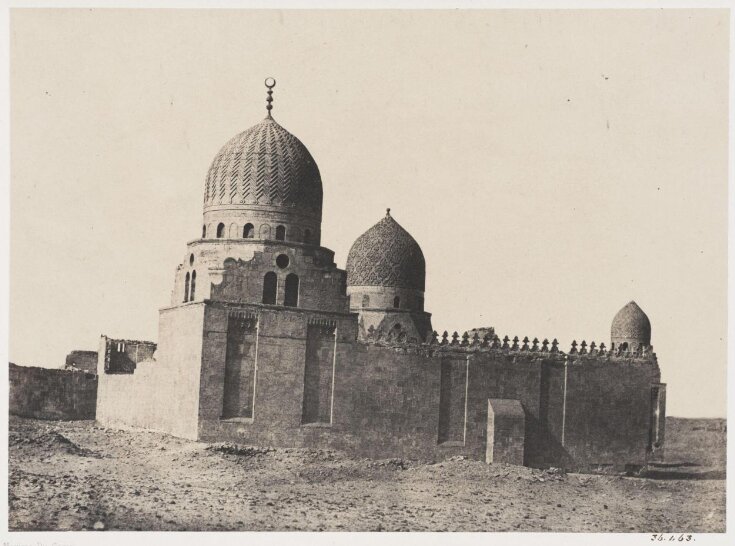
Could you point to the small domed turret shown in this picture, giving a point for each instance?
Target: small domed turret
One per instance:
(631, 329)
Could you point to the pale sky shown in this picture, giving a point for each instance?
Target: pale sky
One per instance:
(552, 165)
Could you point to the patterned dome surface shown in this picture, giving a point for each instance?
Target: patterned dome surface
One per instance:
(386, 255)
(265, 165)
(631, 322)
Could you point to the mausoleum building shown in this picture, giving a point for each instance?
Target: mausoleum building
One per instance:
(266, 341)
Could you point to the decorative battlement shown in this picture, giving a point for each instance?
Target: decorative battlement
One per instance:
(490, 342)
(581, 349)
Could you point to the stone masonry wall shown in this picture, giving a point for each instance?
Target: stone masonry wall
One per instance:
(46, 393)
(389, 401)
(608, 410)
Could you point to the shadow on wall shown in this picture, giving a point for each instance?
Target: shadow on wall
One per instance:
(542, 449)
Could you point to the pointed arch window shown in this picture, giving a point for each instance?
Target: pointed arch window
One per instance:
(193, 285)
(186, 288)
(270, 283)
(204, 232)
(220, 231)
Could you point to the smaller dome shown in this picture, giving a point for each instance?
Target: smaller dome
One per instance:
(631, 323)
(386, 255)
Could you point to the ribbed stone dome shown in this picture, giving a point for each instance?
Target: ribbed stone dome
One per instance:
(386, 255)
(265, 165)
(631, 323)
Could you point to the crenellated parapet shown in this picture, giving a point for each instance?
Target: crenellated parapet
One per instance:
(493, 341)
(468, 342)
(472, 341)
(582, 350)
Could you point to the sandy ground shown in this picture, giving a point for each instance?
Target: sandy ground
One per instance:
(75, 476)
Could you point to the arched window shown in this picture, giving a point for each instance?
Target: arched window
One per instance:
(366, 301)
(248, 231)
(220, 231)
(396, 302)
(193, 285)
(204, 232)
(186, 288)
(270, 283)
(280, 233)
(307, 236)
(624, 347)
(291, 297)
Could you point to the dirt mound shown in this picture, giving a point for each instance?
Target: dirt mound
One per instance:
(391, 464)
(48, 442)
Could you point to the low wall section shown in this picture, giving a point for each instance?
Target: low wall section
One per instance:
(47, 393)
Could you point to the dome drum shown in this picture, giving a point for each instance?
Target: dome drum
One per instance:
(385, 298)
(411, 327)
(260, 225)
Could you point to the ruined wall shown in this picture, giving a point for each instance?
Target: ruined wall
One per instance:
(82, 360)
(160, 394)
(46, 393)
(121, 356)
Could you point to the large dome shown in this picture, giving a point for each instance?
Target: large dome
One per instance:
(386, 255)
(265, 166)
(631, 323)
